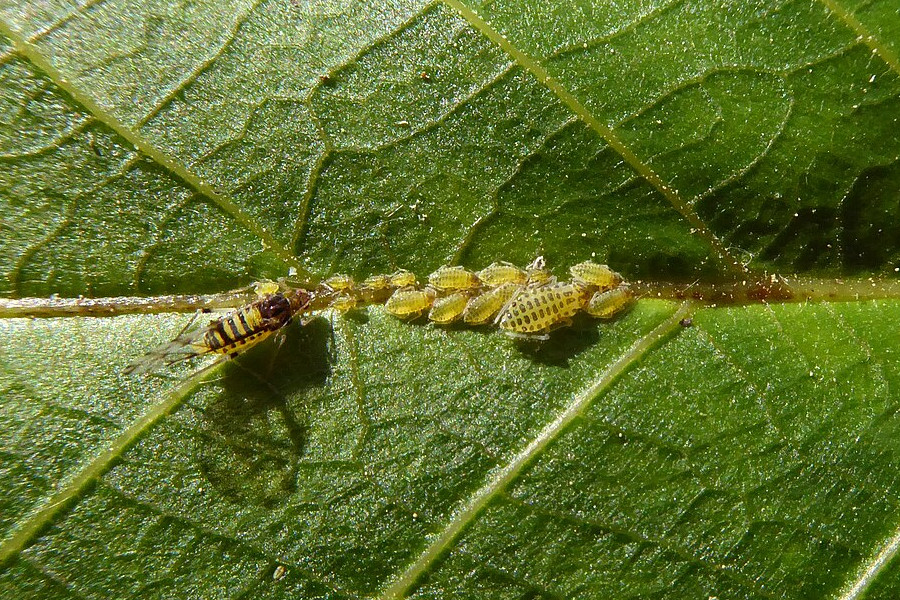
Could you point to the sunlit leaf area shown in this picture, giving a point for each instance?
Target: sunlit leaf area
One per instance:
(699, 445)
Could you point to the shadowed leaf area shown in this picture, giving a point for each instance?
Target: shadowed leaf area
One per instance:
(745, 452)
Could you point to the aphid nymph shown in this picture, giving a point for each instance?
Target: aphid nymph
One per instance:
(453, 278)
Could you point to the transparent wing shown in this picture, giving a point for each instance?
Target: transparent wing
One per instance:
(187, 344)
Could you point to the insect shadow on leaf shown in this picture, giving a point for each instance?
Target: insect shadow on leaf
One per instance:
(255, 429)
(564, 343)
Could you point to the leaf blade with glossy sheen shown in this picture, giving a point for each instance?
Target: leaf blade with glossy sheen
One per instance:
(150, 147)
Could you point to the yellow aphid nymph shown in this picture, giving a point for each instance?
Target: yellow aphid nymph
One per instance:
(590, 273)
(536, 311)
(605, 305)
(376, 282)
(403, 278)
(499, 273)
(376, 288)
(453, 278)
(482, 309)
(264, 288)
(409, 303)
(344, 302)
(340, 283)
(448, 309)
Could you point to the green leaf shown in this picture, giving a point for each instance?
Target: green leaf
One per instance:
(684, 450)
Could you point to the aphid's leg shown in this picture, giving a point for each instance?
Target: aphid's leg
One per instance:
(509, 302)
(280, 337)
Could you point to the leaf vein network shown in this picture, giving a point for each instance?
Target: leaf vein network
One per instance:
(143, 145)
(543, 76)
(640, 538)
(95, 467)
(201, 68)
(196, 526)
(499, 480)
(867, 37)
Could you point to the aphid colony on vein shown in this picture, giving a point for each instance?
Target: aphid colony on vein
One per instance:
(525, 303)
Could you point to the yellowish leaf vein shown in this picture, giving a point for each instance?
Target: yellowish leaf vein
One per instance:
(501, 478)
(642, 168)
(32, 54)
(867, 37)
(44, 514)
(871, 570)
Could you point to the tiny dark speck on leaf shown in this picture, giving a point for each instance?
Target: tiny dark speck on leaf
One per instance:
(686, 322)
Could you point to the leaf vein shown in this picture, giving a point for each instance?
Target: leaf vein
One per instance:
(142, 144)
(500, 479)
(55, 580)
(568, 98)
(662, 543)
(202, 67)
(201, 530)
(69, 492)
(869, 39)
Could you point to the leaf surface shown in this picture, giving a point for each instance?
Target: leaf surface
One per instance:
(151, 148)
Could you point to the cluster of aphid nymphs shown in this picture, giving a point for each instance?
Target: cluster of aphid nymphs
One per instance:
(525, 303)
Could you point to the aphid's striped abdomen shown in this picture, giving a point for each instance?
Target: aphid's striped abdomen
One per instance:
(498, 273)
(403, 278)
(453, 278)
(448, 309)
(536, 311)
(590, 273)
(481, 309)
(340, 282)
(409, 303)
(605, 305)
(344, 302)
